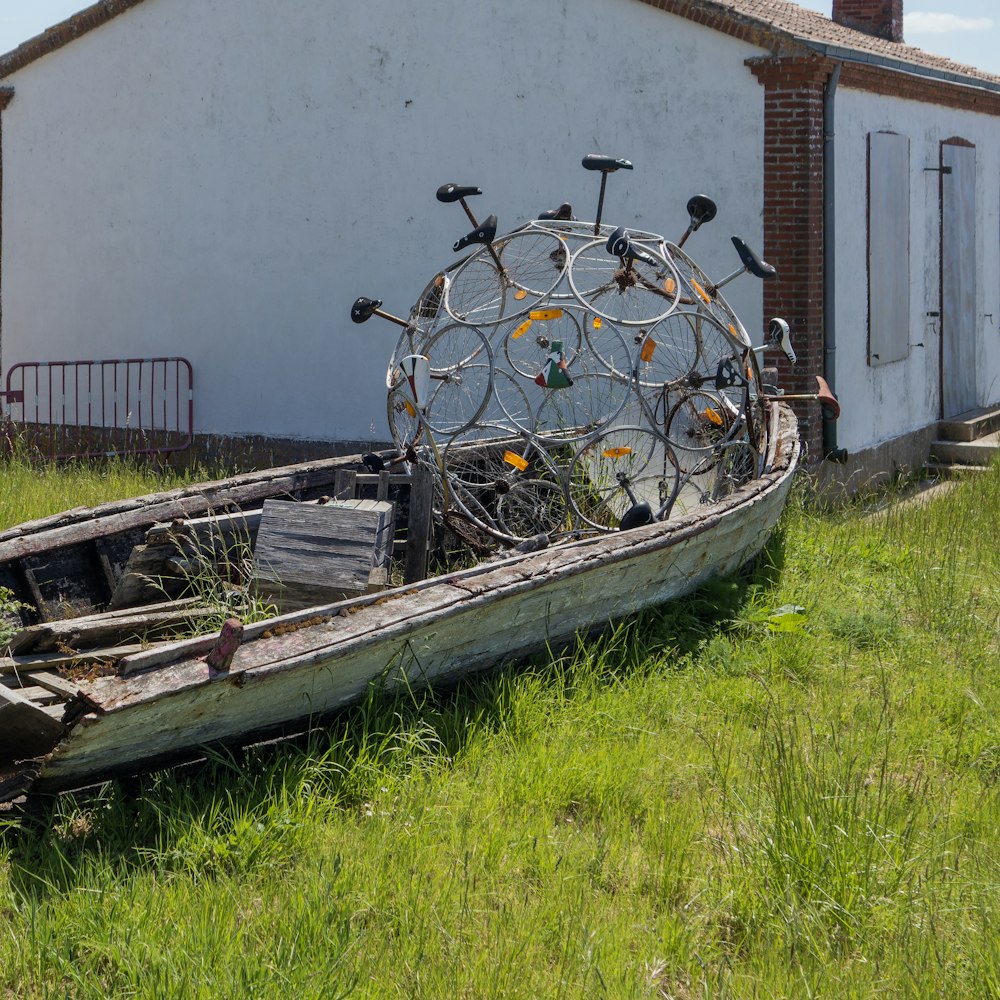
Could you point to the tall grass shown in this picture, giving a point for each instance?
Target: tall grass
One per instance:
(30, 489)
(785, 786)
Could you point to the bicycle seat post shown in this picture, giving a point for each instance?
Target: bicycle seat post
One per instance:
(606, 165)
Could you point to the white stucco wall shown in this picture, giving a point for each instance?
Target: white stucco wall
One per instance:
(220, 179)
(883, 402)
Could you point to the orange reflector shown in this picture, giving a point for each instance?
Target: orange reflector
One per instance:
(545, 313)
(702, 294)
(598, 323)
(520, 294)
(713, 416)
(670, 286)
(647, 349)
(511, 459)
(617, 452)
(521, 330)
(732, 330)
(408, 406)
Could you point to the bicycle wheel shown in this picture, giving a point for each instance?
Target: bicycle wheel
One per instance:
(591, 403)
(697, 424)
(737, 465)
(404, 421)
(637, 293)
(507, 278)
(668, 353)
(509, 405)
(526, 341)
(484, 464)
(532, 507)
(428, 310)
(698, 291)
(461, 371)
(618, 469)
(612, 349)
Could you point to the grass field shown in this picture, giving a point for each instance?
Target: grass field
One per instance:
(784, 786)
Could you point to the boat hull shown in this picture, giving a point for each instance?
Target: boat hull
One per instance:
(432, 632)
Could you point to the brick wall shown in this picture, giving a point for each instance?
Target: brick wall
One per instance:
(793, 219)
(882, 18)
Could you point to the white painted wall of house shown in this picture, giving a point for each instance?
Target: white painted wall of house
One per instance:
(883, 402)
(219, 179)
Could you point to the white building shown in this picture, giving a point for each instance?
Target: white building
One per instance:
(219, 179)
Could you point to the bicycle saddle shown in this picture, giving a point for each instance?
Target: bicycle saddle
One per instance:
(564, 213)
(455, 192)
(827, 400)
(620, 245)
(636, 516)
(757, 267)
(484, 234)
(363, 309)
(728, 374)
(606, 164)
(701, 209)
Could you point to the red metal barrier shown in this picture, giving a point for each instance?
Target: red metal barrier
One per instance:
(82, 409)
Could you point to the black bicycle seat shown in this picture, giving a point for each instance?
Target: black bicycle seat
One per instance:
(621, 246)
(701, 209)
(484, 234)
(728, 374)
(564, 213)
(757, 267)
(363, 309)
(455, 192)
(606, 164)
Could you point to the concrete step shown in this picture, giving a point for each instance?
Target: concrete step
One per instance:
(948, 471)
(970, 426)
(981, 451)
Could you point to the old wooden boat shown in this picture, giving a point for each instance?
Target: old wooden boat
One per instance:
(70, 716)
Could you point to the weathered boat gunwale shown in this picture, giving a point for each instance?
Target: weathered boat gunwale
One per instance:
(107, 519)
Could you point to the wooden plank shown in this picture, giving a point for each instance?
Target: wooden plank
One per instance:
(95, 630)
(26, 731)
(40, 661)
(418, 526)
(345, 484)
(53, 682)
(36, 694)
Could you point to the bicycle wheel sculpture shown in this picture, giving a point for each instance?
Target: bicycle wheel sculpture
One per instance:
(570, 377)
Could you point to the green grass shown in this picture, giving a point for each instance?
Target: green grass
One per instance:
(785, 786)
(30, 490)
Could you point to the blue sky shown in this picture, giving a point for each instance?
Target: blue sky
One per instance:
(965, 30)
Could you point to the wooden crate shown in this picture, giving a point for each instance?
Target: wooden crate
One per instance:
(308, 554)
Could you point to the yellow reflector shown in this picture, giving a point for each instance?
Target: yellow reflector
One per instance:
(617, 452)
(409, 408)
(670, 286)
(598, 323)
(521, 330)
(702, 294)
(713, 416)
(545, 313)
(732, 330)
(511, 459)
(520, 294)
(648, 347)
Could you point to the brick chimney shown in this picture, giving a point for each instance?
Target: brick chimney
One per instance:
(882, 18)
